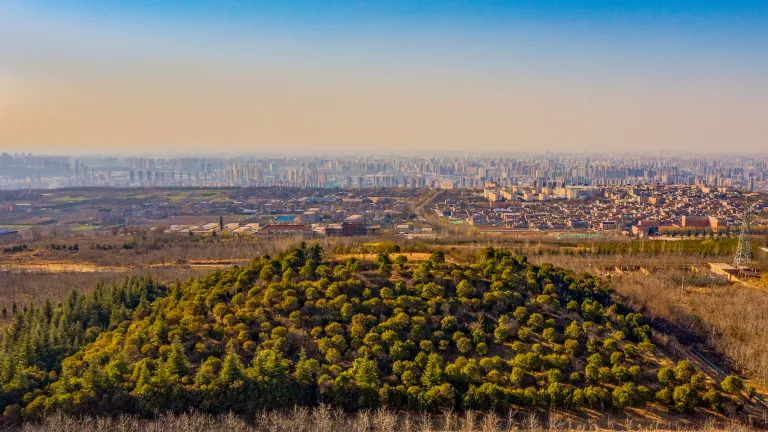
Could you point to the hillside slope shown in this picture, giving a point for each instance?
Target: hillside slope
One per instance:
(295, 329)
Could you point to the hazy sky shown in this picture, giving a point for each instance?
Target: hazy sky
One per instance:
(124, 76)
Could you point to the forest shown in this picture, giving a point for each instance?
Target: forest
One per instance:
(298, 329)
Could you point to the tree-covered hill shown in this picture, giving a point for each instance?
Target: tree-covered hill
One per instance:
(298, 329)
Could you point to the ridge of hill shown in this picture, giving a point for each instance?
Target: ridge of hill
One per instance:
(298, 329)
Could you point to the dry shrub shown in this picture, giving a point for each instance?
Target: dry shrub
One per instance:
(33, 288)
(730, 319)
(325, 419)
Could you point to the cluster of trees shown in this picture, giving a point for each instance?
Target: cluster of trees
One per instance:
(37, 340)
(15, 249)
(696, 232)
(63, 247)
(297, 329)
(369, 248)
(706, 248)
(108, 247)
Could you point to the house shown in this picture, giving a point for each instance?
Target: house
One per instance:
(286, 230)
(310, 217)
(696, 221)
(578, 224)
(355, 219)
(644, 230)
(346, 229)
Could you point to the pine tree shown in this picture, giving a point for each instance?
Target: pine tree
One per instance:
(177, 364)
(268, 365)
(232, 369)
(160, 330)
(366, 372)
(48, 310)
(316, 254)
(433, 372)
(306, 369)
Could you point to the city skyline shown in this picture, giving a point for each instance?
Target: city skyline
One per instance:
(434, 171)
(343, 77)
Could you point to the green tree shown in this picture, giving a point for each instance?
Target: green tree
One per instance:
(666, 376)
(684, 370)
(732, 384)
(437, 257)
(464, 289)
(714, 399)
(685, 398)
(366, 372)
(433, 373)
(306, 369)
(400, 261)
(177, 364)
(231, 369)
(440, 398)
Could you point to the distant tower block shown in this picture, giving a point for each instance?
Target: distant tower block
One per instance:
(743, 258)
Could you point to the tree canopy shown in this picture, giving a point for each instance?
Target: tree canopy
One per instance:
(297, 328)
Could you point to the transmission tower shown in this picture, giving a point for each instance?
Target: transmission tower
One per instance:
(743, 256)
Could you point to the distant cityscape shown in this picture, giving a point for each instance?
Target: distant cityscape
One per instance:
(547, 174)
(565, 196)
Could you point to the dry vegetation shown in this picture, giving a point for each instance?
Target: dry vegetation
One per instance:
(731, 319)
(166, 258)
(33, 288)
(323, 419)
(145, 249)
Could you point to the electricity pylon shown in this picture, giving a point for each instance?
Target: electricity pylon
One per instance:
(743, 256)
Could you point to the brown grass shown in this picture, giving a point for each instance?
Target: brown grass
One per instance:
(33, 288)
(731, 319)
(324, 419)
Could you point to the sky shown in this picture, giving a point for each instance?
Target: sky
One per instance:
(309, 76)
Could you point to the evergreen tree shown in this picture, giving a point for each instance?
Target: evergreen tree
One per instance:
(366, 372)
(231, 369)
(177, 364)
(433, 372)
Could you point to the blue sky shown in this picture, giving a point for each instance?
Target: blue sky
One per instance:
(672, 65)
(721, 18)
(651, 22)
(312, 10)
(653, 35)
